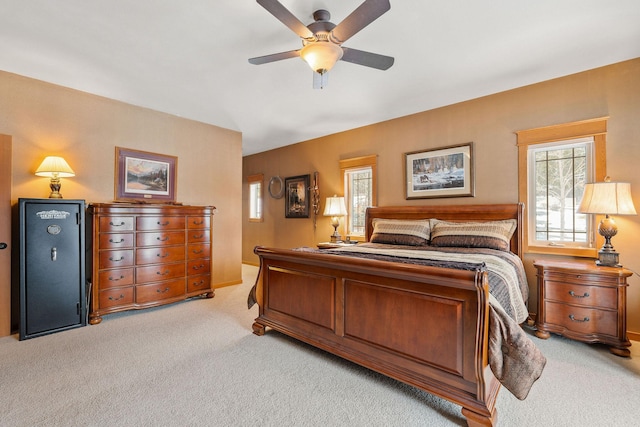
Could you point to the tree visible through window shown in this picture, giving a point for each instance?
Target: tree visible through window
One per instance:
(359, 177)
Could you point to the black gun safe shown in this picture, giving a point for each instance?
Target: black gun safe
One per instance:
(52, 266)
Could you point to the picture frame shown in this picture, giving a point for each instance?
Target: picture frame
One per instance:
(440, 172)
(296, 194)
(144, 176)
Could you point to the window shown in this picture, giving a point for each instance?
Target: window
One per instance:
(255, 197)
(554, 164)
(360, 188)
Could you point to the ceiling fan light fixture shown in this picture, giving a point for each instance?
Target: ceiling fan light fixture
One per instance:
(321, 56)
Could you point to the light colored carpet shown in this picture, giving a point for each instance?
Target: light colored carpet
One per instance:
(197, 363)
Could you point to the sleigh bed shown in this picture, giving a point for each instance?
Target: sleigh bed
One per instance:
(413, 303)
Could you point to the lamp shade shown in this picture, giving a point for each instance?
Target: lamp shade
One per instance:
(335, 206)
(613, 198)
(53, 166)
(321, 55)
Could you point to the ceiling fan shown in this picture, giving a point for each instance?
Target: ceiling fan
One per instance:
(322, 40)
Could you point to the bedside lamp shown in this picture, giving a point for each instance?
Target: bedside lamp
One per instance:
(335, 208)
(607, 198)
(55, 168)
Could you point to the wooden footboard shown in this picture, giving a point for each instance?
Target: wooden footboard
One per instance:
(424, 326)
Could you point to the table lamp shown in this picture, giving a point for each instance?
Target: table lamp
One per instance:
(335, 208)
(607, 198)
(55, 168)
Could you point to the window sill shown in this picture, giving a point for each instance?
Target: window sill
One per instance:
(568, 251)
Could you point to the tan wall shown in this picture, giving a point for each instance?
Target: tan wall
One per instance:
(490, 122)
(45, 119)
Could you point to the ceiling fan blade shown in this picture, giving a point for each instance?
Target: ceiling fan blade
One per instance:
(320, 81)
(367, 59)
(287, 18)
(274, 57)
(364, 15)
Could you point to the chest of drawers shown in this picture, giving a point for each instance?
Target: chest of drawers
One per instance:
(147, 255)
(582, 301)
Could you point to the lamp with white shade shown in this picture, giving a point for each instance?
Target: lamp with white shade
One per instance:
(55, 168)
(335, 208)
(607, 198)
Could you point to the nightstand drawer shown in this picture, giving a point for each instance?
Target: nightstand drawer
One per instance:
(580, 319)
(591, 296)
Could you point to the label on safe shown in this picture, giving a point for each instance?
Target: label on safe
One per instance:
(54, 229)
(53, 214)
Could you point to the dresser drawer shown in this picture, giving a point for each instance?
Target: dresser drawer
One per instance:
(579, 277)
(116, 223)
(196, 222)
(201, 250)
(116, 259)
(196, 236)
(159, 291)
(580, 319)
(166, 238)
(116, 240)
(162, 254)
(591, 296)
(155, 273)
(198, 283)
(160, 223)
(198, 266)
(113, 278)
(116, 297)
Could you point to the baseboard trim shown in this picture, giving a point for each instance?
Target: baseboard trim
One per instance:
(633, 336)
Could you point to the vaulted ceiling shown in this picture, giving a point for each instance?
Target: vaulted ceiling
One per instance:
(189, 58)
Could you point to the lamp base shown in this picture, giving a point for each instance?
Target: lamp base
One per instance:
(608, 258)
(336, 238)
(55, 186)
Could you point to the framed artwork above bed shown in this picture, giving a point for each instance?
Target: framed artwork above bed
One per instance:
(440, 172)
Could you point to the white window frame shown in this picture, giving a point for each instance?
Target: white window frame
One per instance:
(532, 138)
(256, 184)
(354, 165)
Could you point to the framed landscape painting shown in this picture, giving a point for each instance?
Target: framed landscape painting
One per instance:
(440, 172)
(144, 176)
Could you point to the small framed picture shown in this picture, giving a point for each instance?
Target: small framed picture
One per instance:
(144, 176)
(441, 172)
(296, 194)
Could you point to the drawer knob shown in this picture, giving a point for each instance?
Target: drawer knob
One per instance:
(198, 236)
(195, 222)
(163, 239)
(163, 223)
(573, 294)
(166, 254)
(162, 291)
(198, 267)
(573, 318)
(116, 225)
(164, 273)
(116, 279)
(116, 298)
(113, 241)
(116, 260)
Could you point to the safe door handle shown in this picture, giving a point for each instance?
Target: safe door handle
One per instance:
(54, 254)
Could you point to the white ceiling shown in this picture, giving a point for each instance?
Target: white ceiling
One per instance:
(189, 58)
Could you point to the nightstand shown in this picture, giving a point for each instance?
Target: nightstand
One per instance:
(582, 301)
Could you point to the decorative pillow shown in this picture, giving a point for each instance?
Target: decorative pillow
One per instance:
(490, 234)
(401, 232)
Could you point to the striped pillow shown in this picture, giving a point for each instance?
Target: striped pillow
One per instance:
(401, 232)
(490, 234)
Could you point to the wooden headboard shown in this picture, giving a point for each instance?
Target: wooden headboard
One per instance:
(454, 213)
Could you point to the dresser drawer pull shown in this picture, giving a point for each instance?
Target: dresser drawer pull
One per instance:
(166, 254)
(573, 294)
(116, 298)
(198, 267)
(199, 236)
(116, 225)
(162, 273)
(162, 291)
(197, 251)
(195, 222)
(572, 317)
(162, 239)
(116, 279)
(116, 260)
(200, 283)
(113, 241)
(164, 223)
